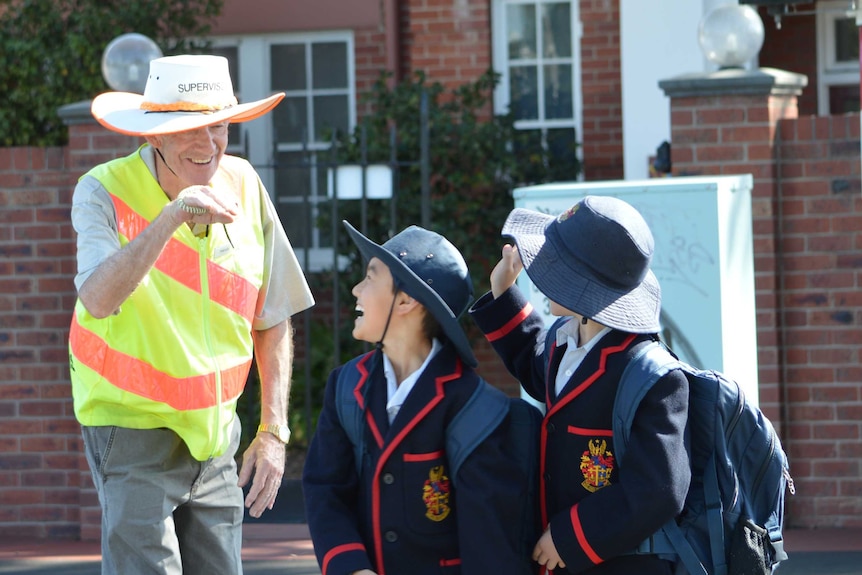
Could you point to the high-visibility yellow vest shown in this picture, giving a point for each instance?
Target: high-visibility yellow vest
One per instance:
(178, 353)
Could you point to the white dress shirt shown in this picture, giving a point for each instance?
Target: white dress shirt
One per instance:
(396, 393)
(567, 335)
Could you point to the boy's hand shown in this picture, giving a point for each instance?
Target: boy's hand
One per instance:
(545, 552)
(506, 271)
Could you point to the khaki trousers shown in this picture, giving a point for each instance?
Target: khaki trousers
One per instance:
(163, 512)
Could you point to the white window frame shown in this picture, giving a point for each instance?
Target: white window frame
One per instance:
(253, 52)
(831, 72)
(500, 49)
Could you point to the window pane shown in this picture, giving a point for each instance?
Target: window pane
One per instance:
(329, 65)
(521, 31)
(523, 88)
(558, 92)
(290, 119)
(330, 113)
(556, 31)
(234, 139)
(234, 132)
(292, 175)
(323, 219)
(292, 185)
(843, 99)
(295, 219)
(287, 63)
(846, 40)
(561, 148)
(231, 53)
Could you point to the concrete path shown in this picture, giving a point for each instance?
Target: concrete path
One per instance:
(285, 549)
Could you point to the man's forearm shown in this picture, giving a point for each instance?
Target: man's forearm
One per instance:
(114, 280)
(274, 357)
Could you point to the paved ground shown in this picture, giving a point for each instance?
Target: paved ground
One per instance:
(285, 549)
(268, 549)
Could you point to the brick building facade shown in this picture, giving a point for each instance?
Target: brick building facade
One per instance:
(807, 217)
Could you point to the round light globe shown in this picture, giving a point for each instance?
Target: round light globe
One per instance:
(731, 35)
(126, 62)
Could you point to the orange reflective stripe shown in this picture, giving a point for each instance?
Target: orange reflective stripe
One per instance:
(232, 291)
(180, 262)
(135, 376)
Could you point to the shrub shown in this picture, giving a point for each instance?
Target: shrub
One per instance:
(51, 54)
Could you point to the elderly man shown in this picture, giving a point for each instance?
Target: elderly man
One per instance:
(184, 275)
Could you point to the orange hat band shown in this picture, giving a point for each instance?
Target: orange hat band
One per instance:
(181, 107)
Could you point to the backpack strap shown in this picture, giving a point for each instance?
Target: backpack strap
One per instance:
(714, 518)
(649, 365)
(481, 415)
(484, 411)
(348, 411)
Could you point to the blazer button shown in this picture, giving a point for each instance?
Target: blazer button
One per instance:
(388, 478)
(391, 536)
(547, 476)
(551, 428)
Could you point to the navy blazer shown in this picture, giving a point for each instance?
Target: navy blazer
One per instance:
(598, 508)
(402, 514)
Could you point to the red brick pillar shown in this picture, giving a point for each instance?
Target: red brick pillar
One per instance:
(89, 145)
(724, 123)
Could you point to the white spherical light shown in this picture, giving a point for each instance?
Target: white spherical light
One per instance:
(126, 62)
(731, 35)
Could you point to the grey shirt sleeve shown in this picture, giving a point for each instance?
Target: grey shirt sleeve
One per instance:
(285, 291)
(95, 222)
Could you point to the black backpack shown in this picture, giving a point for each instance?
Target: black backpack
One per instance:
(733, 517)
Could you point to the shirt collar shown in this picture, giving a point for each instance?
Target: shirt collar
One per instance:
(395, 393)
(567, 334)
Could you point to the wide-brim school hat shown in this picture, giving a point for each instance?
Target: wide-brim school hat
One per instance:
(592, 259)
(182, 93)
(427, 267)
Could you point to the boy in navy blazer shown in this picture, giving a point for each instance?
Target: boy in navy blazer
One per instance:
(592, 263)
(393, 506)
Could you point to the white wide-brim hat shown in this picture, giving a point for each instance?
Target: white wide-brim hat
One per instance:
(182, 93)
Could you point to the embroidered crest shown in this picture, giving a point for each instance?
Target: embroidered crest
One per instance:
(597, 463)
(568, 213)
(435, 494)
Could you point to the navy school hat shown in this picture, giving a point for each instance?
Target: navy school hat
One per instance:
(592, 259)
(427, 267)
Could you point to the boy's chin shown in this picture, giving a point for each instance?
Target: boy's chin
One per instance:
(359, 336)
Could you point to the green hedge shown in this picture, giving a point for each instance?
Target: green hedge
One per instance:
(51, 54)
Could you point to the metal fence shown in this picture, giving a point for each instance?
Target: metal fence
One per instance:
(330, 161)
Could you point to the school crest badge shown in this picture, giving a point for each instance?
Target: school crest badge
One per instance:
(435, 494)
(568, 213)
(597, 464)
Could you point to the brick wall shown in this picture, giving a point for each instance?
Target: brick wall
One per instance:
(370, 59)
(450, 41)
(45, 485)
(39, 467)
(820, 306)
(601, 79)
(807, 217)
(807, 211)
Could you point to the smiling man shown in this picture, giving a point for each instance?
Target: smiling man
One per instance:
(184, 274)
